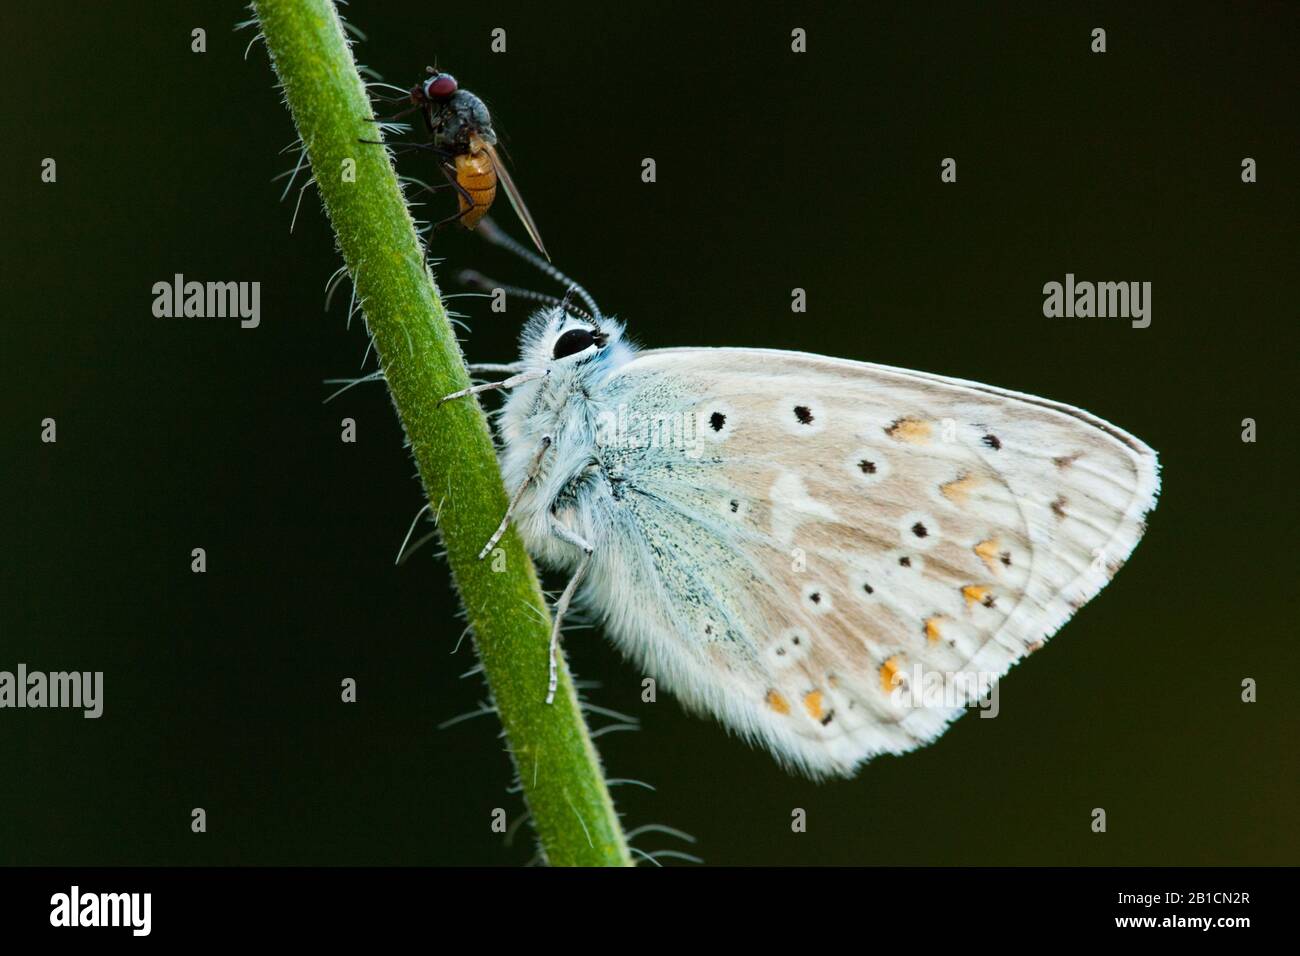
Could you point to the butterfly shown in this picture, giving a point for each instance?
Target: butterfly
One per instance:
(786, 541)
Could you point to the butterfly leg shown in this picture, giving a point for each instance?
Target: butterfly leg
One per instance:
(510, 382)
(533, 469)
(477, 367)
(562, 605)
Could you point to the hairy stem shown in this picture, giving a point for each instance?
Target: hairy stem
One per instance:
(558, 766)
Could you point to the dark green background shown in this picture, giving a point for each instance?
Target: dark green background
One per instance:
(775, 171)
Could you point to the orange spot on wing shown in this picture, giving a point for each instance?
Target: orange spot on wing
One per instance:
(932, 628)
(988, 550)
(975, 594)
(812, 702)
(911, 430)
(887, 672)
(958, 490)
(777, 702)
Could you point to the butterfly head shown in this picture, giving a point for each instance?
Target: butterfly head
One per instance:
(577, 344)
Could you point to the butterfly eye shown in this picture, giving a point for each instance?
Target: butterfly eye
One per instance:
(440, 86)
(572, 342)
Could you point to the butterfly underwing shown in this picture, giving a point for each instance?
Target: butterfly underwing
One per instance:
(787, 541)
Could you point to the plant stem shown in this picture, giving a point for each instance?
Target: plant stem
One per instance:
(557, 764)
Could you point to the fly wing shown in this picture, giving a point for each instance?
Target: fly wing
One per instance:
(516, 200)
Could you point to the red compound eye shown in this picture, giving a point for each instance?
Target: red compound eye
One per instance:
(441, 86)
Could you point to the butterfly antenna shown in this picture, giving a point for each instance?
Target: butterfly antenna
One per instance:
(489, 231)
(566, 303)
(481, 282)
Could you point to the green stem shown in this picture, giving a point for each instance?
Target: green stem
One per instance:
(558, 766)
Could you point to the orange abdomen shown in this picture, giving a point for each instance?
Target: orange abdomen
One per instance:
(477, 176)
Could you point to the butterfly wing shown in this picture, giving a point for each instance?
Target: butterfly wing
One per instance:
(803, 543)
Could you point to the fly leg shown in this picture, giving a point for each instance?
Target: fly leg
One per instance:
(396, 116)
(450, 172)
(399, 147)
